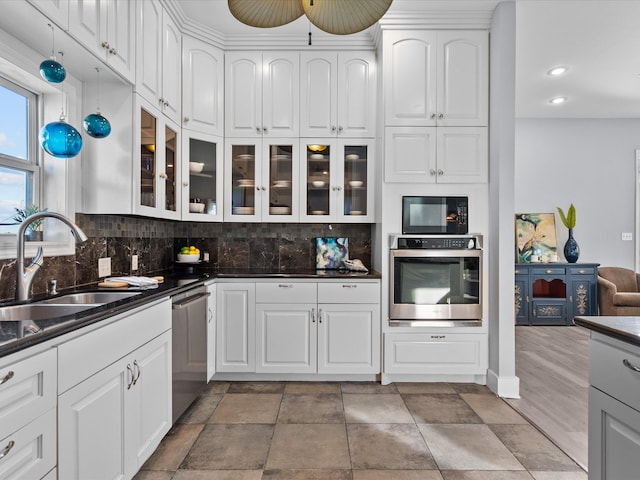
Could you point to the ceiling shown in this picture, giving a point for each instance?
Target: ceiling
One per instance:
(598, 40)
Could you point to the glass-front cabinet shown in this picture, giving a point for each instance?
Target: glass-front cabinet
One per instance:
(201, 177)
(158, 170)
(261, 180)
(337, 180)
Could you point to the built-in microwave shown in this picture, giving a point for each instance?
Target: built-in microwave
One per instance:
(428, 215)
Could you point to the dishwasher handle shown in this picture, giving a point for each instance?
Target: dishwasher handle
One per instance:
(189, 300)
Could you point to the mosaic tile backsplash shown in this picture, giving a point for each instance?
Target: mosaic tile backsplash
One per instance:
(269, 246)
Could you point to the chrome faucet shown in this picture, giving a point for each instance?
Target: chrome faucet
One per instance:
(24, 276)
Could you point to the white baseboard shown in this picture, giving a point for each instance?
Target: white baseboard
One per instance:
(506, 387)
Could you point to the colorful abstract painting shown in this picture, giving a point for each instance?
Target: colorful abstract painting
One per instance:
(536, 238)
(331, 251)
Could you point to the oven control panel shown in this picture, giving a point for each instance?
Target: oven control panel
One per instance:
(438, 242)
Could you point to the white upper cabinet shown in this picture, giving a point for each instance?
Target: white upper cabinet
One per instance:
(159, 69)
(202, 87)
(106, 28)
(337, 94)
(436, 78)
(55, 10)
(262, 94)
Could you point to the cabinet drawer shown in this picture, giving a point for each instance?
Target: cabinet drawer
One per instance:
(608, 372)
(542, 271)
(582, 271)
(81, 357)
(286, 292)
(435, 353)
(33, 451)
(28, 391)
(348, 292)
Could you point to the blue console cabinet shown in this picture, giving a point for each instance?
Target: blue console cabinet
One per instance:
(554, 293)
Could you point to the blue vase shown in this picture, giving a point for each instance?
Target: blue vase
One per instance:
(571, 248)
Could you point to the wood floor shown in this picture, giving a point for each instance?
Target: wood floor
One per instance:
(552, 364)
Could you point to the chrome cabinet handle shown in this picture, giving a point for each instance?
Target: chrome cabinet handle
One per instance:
(7, 449)
(285, 285)
(630, 365)
(210, 316)
(346, 285)
(7, 377)
(438, 337)
(135, 365)
(313, 315)
(319, 315)
(129, 383)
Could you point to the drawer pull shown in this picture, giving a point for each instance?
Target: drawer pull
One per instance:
(136, 366)
(549, 271)
(7, 377)
(7, 449)
(438, 337)
(313, 315)
(130, 376)
(285, 285)
(630, 365)
(349, 286)
(581, 272)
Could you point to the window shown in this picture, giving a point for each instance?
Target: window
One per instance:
(19, 169)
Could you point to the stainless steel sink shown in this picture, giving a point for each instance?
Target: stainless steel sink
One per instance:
(89, 298)
(40, 311)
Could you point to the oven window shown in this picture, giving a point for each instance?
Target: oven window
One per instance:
(437, 280)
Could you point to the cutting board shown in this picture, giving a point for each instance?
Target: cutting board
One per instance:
(112, 284)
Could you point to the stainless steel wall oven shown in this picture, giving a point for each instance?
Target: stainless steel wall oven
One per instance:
(435, 280)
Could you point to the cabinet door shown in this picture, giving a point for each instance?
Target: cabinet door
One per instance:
(202, 177)
(410, 154)
(286, 338)
(88, 24)
(355, 168)
(149, 51)
(242, 190)
(318, 94)
(56, 10)
(203, 87)
(211, 330)
(121, 15)
(235, 329)
(318, 180)
(348, 338)
(243, 94)
(91, 426)
(521, 299)
(410, 78)
(462, 155)
(356, 95)
(280, 94)
(171, 69)
(463, 78)
(148, 413)
(614, 438)
(279, 186)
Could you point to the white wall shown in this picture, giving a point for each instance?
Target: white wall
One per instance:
(587, 162)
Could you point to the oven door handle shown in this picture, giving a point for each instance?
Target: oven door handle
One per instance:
(189, 300)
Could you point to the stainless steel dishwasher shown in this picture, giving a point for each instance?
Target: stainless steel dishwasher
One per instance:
(189, 350)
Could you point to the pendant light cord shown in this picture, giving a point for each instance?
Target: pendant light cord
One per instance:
(53, 42)
(98, 91)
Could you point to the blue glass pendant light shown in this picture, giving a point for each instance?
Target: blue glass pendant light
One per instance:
(60, 139)
(95, 124)
(50, 69)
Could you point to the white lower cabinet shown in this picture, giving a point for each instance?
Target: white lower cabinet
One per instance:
(114, 408)
(211, 329)
(436, 353)
(297, 333)
(235, 327)
(28, 415)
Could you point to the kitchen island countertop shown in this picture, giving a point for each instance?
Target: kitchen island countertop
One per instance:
(626, 329)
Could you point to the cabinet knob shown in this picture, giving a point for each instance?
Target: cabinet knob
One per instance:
(432, 172)
(433, 116)
(185, 184)
(162, 175)
(113, 51)
(581, 272)
(549, 272)
(105, 45)
(333, 128)
(265, 130)
(440, 172)
(441, 115)
(186, 119)
(340, 129)
(258, 130)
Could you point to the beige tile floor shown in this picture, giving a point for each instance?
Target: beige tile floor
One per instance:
(354, 431)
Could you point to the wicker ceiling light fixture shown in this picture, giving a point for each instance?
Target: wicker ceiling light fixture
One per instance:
(338, 17)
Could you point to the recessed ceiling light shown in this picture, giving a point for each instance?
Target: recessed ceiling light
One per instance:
(555, 71)
(557, 100)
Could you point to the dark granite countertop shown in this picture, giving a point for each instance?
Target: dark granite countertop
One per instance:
(626, 329)
(175, 282)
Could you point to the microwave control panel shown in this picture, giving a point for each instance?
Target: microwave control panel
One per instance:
(435, 243)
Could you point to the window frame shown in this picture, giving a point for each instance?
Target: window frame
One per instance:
(58, 181)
